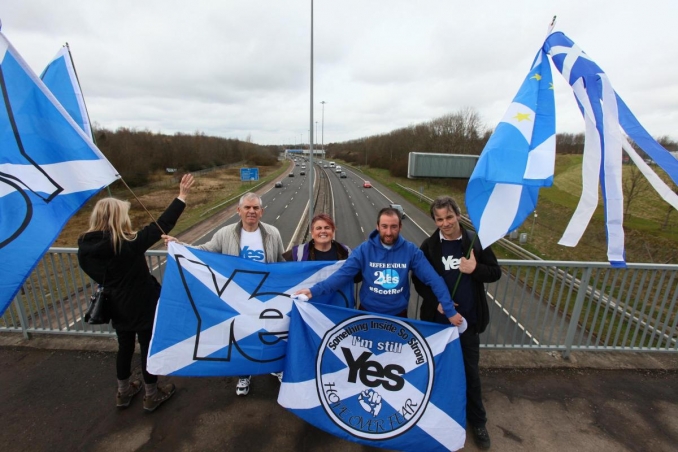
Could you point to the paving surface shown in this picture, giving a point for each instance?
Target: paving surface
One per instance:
(58, 394)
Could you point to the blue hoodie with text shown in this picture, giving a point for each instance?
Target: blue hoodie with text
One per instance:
(386, 285)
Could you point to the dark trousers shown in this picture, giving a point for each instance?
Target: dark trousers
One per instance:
(470, 350)
(123, 363)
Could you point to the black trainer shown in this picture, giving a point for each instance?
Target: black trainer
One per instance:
(481, 437)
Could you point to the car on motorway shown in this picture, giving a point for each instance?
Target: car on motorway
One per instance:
(278, 184)
(325, 165)
(302, 173)
(367, 184)
(342, 175)
(290, 175)
(338, 169)
(399, 208)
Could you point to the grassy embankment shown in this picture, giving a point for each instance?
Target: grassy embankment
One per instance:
(210, 190)
(646, 240)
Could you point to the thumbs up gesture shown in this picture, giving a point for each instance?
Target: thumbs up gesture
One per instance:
(468, 265)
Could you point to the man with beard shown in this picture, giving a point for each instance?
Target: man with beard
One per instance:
(384, 260)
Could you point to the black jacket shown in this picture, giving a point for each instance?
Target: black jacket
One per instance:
(487, 271)
(133, 291)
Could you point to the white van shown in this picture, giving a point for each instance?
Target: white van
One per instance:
(331, 164)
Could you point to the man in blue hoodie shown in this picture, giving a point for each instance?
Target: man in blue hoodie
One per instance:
(384, 260)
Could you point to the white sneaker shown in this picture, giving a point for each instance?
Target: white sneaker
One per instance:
(278, 374)
(243, 386)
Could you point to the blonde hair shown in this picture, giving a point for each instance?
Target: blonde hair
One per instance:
(112, 215)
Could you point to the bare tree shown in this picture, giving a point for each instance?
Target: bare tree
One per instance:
(634, 186)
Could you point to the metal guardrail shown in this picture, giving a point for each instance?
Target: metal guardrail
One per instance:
(466, 221)
(543, 305)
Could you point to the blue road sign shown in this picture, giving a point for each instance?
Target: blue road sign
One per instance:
(249, 174)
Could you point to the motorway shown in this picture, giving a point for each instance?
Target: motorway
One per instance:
(355, 213)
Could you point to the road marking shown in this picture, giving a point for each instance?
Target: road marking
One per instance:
(513, 318)
(362, 230)
(286, 207)
(276, 218)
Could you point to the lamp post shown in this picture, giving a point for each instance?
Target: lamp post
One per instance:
(310, 141)
(322, 128)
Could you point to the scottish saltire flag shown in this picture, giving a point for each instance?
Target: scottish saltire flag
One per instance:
(48, 169)
(375, 379)
(517, 160)
(225, 315)
(605, 115)
(62, 80)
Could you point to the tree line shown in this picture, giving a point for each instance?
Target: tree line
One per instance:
(136, 154)
(462, 132)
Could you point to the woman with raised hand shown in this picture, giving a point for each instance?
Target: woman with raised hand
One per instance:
(113, 255)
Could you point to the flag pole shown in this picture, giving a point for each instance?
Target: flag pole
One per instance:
(77, 79)
(141, 203)
(470, 250)
(551, 27)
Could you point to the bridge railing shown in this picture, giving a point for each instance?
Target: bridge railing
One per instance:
(542, 305)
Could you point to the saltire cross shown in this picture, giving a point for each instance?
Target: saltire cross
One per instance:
(49, 168)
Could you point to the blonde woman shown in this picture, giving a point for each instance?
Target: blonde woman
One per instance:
(112, 254)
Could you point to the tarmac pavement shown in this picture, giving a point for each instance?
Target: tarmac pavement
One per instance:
(58, 394)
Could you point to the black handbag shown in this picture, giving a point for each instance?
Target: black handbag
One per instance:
(97, 312)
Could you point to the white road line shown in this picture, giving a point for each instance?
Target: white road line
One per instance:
(513, 318)
(276, 218)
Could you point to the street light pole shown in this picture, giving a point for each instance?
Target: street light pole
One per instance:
(323, 128)
(310, 162)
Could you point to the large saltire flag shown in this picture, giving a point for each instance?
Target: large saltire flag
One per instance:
(49, 168)
(62, 80)
(518, 159)
(375, 379)
(605, 115)
(225, 315)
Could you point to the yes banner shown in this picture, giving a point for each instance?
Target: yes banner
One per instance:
(224, 315)
(374, 379)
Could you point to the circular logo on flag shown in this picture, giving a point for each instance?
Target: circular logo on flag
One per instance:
(375, 376)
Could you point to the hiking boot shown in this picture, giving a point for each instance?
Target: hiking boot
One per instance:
(481, 437)
(162, 394)
(123, 399)
(278, 374)
(243, 386)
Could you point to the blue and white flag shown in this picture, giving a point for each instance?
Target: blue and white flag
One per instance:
(605, 115)
(62, 80)
(517, 160)
(49, 168)
(225, 315)
(375, 379)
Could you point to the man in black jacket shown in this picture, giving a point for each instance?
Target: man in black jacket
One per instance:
(457, 255)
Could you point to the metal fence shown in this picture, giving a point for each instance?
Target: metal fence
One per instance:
(545, 305)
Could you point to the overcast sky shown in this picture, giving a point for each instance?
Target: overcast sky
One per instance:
(234, 68)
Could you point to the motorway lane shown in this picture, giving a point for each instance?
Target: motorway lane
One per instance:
(355, 212)
(283, 207)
